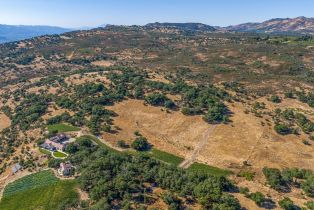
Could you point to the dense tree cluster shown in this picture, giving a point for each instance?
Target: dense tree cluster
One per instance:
(30, 110)
(306, 98)
(291, 118)
(283, 129)
(159, 99)
(141, 144)
(283, 180)
(117, 180)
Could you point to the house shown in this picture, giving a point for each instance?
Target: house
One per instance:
(66, 169)
(59, 138)
(16, 168)
(48, 146)
(55, 143)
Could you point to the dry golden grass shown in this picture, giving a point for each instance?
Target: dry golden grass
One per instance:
(4, 121)
(245, 139)
(54, 111)
(103, 63)
(77, 79)
(172, 132)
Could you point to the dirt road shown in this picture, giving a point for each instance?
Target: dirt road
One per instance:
(190, 160)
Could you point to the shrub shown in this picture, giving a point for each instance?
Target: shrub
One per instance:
(156, 99)
(306, 142)
(258, 105)
(274, 178)
(169, 104)
(258, 198)
(287, 204)
(173, 201)
(275, 99)
(137, 133)
(54, 163)
(191, 111)
(122, 144)
(71, 148)
(248, 175)
(308, 186)
(282, 129)
(216, 114)
(141, 144)
(244, 190)
(310, 205)
(289, 94)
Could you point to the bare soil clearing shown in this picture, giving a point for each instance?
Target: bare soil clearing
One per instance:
(188, 161)
(4, 121)
(171, 132)
(77, 79)
(103, 63)
(245, 139)
(246, 202)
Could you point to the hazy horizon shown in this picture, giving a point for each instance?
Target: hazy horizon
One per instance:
(77, 14)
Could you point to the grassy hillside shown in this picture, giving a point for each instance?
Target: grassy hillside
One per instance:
(62, 128)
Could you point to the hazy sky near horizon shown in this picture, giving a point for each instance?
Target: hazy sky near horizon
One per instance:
(78, 13)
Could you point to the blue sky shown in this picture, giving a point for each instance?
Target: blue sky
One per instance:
(77, 13)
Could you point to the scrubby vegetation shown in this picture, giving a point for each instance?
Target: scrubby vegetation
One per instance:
(141, 144)
(285, 179)
(60, 84)
(118, 180)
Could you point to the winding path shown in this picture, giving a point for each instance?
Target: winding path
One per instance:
(190, 160)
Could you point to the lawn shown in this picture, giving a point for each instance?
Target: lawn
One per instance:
(41, 191)
(98, 142)
(166, 157)
(59, 154)
(60, 128)
(44, 151)
(200, 167)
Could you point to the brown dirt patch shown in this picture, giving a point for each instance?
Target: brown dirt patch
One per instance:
(83, 195)
(4, 121)
(246, 202)
(77, 79)
(200, 57)
(172, 132)
(245, 139)
(54, 111)
(103, 63)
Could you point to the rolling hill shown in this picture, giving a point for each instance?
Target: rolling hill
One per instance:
(183, 26)
(167, 118)
(278, 25)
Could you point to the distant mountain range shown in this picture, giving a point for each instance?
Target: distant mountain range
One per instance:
(299, 25)
(278, 25)
(9, 33)
(182, 26)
